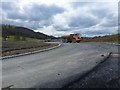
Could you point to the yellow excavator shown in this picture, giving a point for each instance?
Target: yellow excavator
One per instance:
(72, 38)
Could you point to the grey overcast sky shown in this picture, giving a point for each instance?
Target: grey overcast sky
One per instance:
(58, 17)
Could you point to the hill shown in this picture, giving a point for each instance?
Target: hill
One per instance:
(107, 38)
(10, 30)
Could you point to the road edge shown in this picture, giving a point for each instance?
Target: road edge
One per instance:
(87, 72)
(28, 53)
(117, 44)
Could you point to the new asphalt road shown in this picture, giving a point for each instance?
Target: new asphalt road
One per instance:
(54, 68)
(105, 75)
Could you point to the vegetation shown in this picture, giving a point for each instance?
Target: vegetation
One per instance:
(18, 47)
(107, 38)
(17, 40)
(10, 32)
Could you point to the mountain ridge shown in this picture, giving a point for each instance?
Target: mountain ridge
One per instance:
(8, 30)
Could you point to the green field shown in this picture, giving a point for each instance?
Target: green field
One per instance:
(0, 38)
(16, 38)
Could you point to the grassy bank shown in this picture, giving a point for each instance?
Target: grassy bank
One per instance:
(109, 38)
(16, 38)
(18, 47)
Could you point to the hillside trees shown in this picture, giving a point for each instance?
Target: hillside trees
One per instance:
(10, 30)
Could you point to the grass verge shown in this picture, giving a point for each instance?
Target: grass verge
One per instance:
(109, 38)
(19, 47)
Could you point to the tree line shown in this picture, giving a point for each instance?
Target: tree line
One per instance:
(11, 30)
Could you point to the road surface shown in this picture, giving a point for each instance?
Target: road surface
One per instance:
(54, 68)
(105, 75)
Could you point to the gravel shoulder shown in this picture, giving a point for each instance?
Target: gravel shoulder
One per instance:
(106, 75)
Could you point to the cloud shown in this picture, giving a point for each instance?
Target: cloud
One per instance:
(8, 5)
(62, 18)
(82, 19)
(82, 22)
(12, 10)
(41, 12)
(32, 12)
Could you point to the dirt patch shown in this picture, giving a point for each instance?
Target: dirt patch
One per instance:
(18, 47)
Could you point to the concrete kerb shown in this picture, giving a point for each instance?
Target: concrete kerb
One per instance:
(28, 53)
(88, 71)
